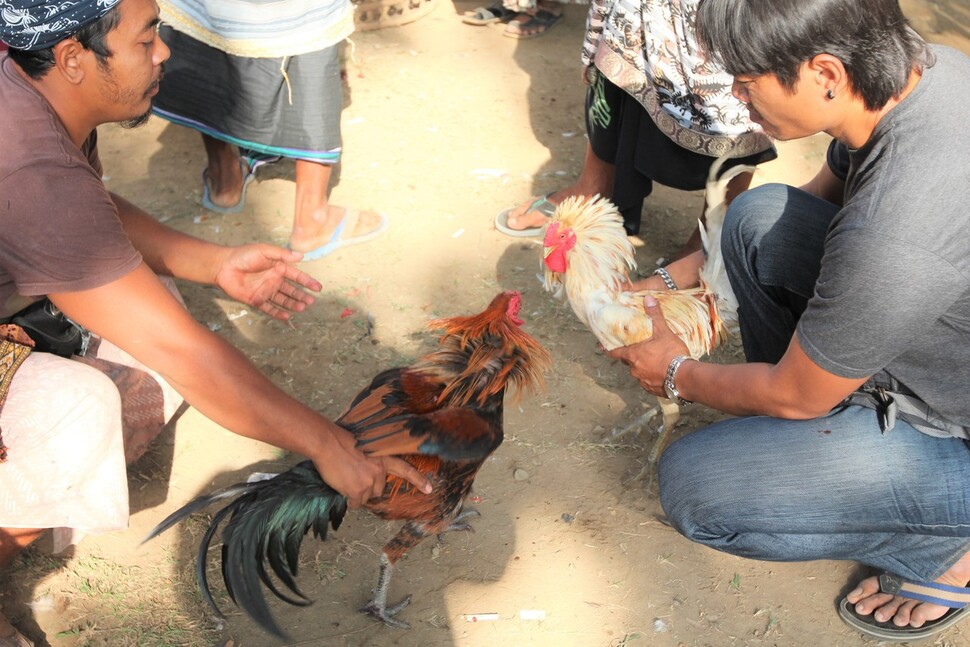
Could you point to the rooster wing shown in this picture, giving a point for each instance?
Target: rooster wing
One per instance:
(397, 415)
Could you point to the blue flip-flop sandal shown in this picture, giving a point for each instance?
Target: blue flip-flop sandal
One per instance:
(249, 174)
(955, 597)
(343, 235)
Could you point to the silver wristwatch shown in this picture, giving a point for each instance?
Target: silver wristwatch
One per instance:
(672, 392)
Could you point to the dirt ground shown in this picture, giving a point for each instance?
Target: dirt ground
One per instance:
(447, 124)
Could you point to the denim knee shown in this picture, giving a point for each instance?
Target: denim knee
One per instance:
(689, 501)
(751, 215)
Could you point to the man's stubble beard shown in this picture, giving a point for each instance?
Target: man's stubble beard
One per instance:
(140, 120)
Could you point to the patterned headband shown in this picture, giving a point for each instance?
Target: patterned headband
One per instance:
(32, 24)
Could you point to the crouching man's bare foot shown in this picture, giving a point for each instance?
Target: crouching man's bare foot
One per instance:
(902, 611)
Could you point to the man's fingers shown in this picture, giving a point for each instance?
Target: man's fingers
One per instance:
(302, 278)
(406, 471)
(652, 307)
(620, 353)
(294, 291)
(274, 311)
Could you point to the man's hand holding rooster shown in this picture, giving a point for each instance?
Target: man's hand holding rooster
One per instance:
(648, 360)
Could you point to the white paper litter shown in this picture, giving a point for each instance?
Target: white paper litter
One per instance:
(479, 617)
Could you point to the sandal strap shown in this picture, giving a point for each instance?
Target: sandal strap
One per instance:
(955, 597)
(347, 225)
(543, 206)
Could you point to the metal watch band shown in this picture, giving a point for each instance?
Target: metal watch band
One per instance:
(665, 275)
(669, 387)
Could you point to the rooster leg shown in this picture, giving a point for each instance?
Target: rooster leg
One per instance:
(671, 416)
(377, 607)
(410, 535)
(637, 426)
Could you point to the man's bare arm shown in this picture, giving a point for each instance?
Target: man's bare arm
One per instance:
(138, 314)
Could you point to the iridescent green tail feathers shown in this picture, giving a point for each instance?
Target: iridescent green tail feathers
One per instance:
(267, 521)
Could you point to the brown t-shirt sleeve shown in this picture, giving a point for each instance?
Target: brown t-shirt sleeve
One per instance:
(61, 229)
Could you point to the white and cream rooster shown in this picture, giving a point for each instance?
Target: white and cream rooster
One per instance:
(587, 258)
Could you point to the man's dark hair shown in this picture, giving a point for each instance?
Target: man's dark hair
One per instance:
(37, 63)
(872, 38)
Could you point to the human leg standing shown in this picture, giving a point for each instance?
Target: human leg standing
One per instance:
(599, 170)
(596, 177)
(315, 220)
(223, 174)
(533, 18)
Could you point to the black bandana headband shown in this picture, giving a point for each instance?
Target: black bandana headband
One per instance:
(31, 24)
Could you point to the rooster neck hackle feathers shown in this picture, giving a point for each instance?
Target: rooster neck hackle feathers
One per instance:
(481, 354)
(602, 256)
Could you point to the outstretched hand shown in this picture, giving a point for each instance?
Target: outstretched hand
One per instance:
(648, 359)
(263, 276)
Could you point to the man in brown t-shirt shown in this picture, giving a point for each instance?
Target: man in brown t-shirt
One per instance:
(72, 67)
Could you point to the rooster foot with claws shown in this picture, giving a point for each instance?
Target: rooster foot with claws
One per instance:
(636, 426)
(377, 608)
(457, 525)
(386, 615)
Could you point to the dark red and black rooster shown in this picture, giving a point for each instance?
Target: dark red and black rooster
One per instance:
(443, 415)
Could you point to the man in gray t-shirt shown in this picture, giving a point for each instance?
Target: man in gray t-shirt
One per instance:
(854, 305)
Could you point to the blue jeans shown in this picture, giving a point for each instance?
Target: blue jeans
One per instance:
(829, 488)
